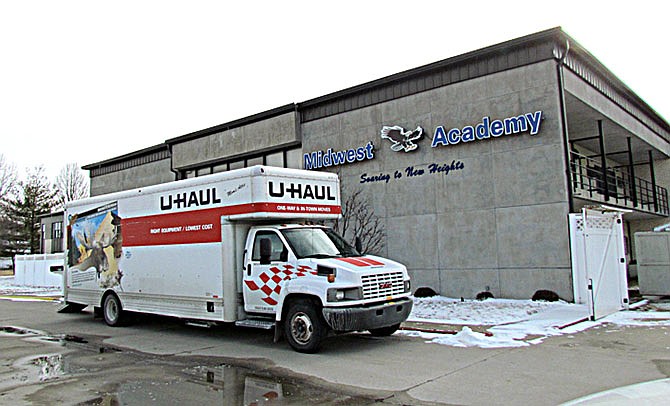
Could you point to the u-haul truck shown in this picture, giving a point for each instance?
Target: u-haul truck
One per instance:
(229, 247)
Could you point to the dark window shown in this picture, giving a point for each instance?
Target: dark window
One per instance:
(284, 158)
(278, 247)
(57, 230)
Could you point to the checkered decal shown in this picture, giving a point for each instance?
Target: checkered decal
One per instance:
(269, 282)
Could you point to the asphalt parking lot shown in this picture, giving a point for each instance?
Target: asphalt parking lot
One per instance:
(352, 368)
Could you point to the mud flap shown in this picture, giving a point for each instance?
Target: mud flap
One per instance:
(279, 332)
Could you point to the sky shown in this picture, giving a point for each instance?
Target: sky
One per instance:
(86, 81)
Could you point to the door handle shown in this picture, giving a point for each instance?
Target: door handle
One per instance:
(248, 269)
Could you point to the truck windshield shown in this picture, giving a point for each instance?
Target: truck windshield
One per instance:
(318, 243)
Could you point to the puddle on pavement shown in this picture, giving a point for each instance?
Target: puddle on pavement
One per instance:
(62, 339)
(226, 384)
(18, 331)
(35, 369)
(174, 382)
(49, 366)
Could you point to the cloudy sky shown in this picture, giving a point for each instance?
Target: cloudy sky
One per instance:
(85, 81)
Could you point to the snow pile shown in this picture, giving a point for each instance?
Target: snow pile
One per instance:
(438, 309)
(516, 323)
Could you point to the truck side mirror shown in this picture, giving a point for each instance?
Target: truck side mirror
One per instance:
(266, 251)
(358, 245)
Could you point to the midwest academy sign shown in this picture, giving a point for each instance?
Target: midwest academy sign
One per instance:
(403, 140)
(487, 128)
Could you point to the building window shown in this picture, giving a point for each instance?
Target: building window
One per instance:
(236, 165)
(203, 171)
(220, 168)
(44, 238)
(286, 158)
(255, 161)
(275, 159)
(57, 230)
(294, 158)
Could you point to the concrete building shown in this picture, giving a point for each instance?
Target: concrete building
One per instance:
(470, 164)
(51, 233)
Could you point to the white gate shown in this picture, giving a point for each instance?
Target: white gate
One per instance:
(599, 261)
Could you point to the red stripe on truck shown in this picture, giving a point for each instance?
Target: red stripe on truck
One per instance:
(201, 226)
(360, 261)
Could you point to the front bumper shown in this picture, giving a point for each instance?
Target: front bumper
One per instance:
(369, 317)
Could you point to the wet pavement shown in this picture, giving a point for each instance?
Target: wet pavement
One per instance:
(160, 360)
(83, 371)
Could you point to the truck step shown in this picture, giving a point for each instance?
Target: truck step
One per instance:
(256, 323)
(71, 308)
(201, 324)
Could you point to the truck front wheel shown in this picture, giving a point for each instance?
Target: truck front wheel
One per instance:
(304, 327)
(112, 311)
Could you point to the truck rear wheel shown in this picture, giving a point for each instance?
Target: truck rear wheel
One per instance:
(112, 311)
(385, 331)
(304, 327)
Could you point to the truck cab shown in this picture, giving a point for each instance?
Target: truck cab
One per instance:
(311, 281)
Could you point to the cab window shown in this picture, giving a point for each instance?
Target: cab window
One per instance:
(279, 251)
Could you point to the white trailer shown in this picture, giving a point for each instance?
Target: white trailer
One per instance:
(229, 247)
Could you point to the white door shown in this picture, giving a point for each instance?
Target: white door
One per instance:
(263, 277)
(599, 261)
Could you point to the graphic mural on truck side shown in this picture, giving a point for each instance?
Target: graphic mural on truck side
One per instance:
(95, 247)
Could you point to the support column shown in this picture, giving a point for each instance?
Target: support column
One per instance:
(653, 181)
(631, 171)
(603, 160)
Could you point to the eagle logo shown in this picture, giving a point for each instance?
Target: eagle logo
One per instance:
(401, 139)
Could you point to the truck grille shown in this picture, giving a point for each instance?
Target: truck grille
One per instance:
(382, 285)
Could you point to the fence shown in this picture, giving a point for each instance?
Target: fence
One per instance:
(41, 270)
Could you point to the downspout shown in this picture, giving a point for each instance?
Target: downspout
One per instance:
(176, 172)
(566, 153)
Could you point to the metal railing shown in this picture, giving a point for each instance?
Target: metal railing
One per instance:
(617, 187)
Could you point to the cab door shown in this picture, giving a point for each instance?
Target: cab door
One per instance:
(266, 268)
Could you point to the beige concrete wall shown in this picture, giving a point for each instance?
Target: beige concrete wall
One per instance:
(273, 132)
(500, 223)
(139, 176)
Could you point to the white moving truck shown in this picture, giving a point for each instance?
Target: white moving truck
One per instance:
(229, 247)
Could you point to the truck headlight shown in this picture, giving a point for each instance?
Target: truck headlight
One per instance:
(338, 295)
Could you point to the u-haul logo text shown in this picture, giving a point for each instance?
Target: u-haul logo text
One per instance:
(195, 198)
(300, 191)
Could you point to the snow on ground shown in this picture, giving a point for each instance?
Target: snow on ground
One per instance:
(508, 323)
(517, 323)
(9, 288)
(439, 309)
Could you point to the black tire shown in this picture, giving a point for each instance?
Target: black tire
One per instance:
(112, 311)
(304, 326)
(385, 331)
